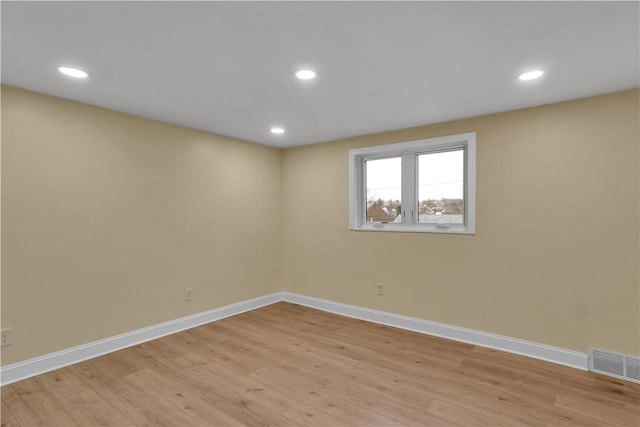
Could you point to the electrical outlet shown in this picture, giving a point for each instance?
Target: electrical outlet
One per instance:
(6, 337)
(188, 295)
(380, 289)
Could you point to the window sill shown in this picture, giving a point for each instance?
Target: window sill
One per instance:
(405, 228)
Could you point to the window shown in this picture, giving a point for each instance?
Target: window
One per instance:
(419, 186)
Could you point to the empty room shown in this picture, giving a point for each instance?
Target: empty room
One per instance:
(320, 213)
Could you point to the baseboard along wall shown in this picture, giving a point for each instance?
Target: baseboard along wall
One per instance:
(49, 362)
(548, 353)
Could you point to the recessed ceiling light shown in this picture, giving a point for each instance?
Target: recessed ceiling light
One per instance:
(73, 72)
(277, 130)
(531, 75)
(306, 74)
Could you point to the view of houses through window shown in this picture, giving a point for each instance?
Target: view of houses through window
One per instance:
(384, 189)
(440, 188)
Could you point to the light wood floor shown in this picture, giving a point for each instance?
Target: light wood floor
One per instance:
(290, 365)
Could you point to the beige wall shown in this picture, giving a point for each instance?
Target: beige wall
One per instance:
(107, 218)
(555, 257)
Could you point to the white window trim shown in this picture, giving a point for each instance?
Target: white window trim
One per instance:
(356, 179)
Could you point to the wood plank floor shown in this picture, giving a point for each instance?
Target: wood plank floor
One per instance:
(288, 365)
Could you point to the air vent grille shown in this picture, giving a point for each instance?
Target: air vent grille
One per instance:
(633, 368)
(614, 364)
(607, 362)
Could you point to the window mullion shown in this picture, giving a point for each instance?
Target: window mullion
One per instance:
(363, 185)
(409, 198)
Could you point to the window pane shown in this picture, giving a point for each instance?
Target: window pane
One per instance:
(384, 189)
(441, 187)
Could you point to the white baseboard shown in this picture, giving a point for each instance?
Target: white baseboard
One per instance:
(39, 365)
(49, 362)
(544, 352)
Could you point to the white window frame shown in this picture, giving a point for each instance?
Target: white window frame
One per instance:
(409, 152)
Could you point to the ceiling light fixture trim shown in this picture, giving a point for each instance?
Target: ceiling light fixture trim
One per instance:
(277, 130)
(73, 72)
(306, 74)
(531, 75)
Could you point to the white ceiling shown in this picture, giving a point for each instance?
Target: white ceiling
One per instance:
(227, 67)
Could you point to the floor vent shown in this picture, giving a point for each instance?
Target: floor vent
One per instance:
(614, 364)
